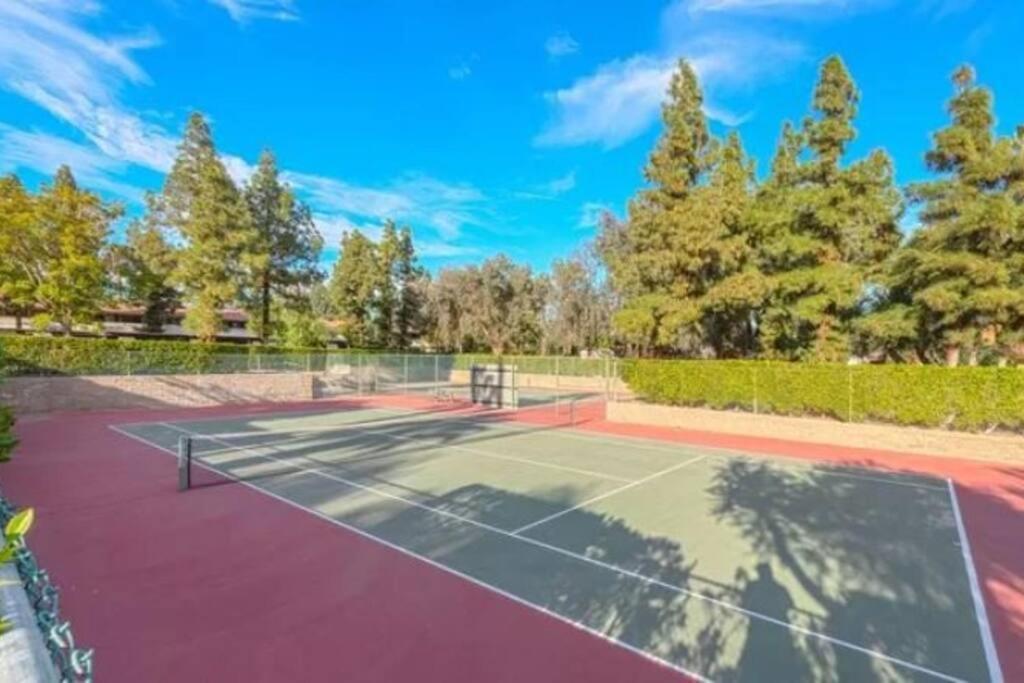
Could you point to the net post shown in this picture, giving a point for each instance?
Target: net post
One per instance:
(184, 462)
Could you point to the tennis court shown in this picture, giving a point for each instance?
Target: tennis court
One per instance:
(723, 565)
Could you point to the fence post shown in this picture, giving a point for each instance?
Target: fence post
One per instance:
(405, 373)
(558, 372)
(437, 376)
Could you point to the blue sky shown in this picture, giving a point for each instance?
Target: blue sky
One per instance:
(486, 126)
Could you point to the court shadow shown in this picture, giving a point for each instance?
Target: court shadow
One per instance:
(653, 616)
(873, 564)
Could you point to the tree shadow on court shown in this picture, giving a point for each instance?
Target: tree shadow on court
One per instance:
(873, 564)
(657, 617)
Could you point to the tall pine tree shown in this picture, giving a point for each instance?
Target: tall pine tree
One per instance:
(201, 203)
(658, 264)
(827, 227)
(354, 286)
(959, 283)
(286, 244)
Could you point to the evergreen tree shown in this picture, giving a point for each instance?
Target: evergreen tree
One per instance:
(659, 264)
(827, 228)
(959, 283)
(734, 288)
(409, 276)
(201, 203)
(286, 244)
(387, 291)
(142, 269)
(354, 285)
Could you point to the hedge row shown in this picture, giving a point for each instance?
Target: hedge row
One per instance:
(543, 365)
(37, 355)
(7, 440)
(968, 398)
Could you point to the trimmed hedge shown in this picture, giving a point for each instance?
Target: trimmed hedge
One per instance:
(37, 355)
(7, 440)
(967, 398)
(565, 366)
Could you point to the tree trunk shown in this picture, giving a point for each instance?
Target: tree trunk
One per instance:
(952, 356)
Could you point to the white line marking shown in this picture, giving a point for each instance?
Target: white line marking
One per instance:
(619, 570)
(423, 441)
(607, 494)
(433, 563)
(474, 416)
(991, 656)
(668, 447)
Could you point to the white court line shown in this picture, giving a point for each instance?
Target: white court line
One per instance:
(426, 560)
(607, 494)
(991, 656)
(411, 439)
(624, 572)
(667, 447)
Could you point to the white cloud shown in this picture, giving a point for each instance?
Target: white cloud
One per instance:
(333, 226)
(48, 59)
(621, 99)
(560, 45)
(590, 214)
(460, 72)
(610, 106)
(551, 189)
(431, 249)
(698, 6)
(446, 208)
(243, 11)
(45, 153)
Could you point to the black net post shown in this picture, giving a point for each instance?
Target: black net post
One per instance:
(184, 463)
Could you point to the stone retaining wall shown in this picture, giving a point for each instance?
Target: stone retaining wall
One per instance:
(45, 394)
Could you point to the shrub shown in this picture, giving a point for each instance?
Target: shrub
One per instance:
(970, 398)
(37, 355)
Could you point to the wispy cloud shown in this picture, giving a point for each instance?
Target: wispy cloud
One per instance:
(551, 189)
(45, 153)
(699, 6)
(460, 72)
(48, 59)
(621, 99)
(610, 106)
(432, 249)
(244, 11)
(560, 45)
(444, 207)
(590, 215)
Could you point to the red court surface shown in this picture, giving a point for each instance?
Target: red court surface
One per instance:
(263, 591)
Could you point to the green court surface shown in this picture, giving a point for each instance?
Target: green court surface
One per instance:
(725, 566)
